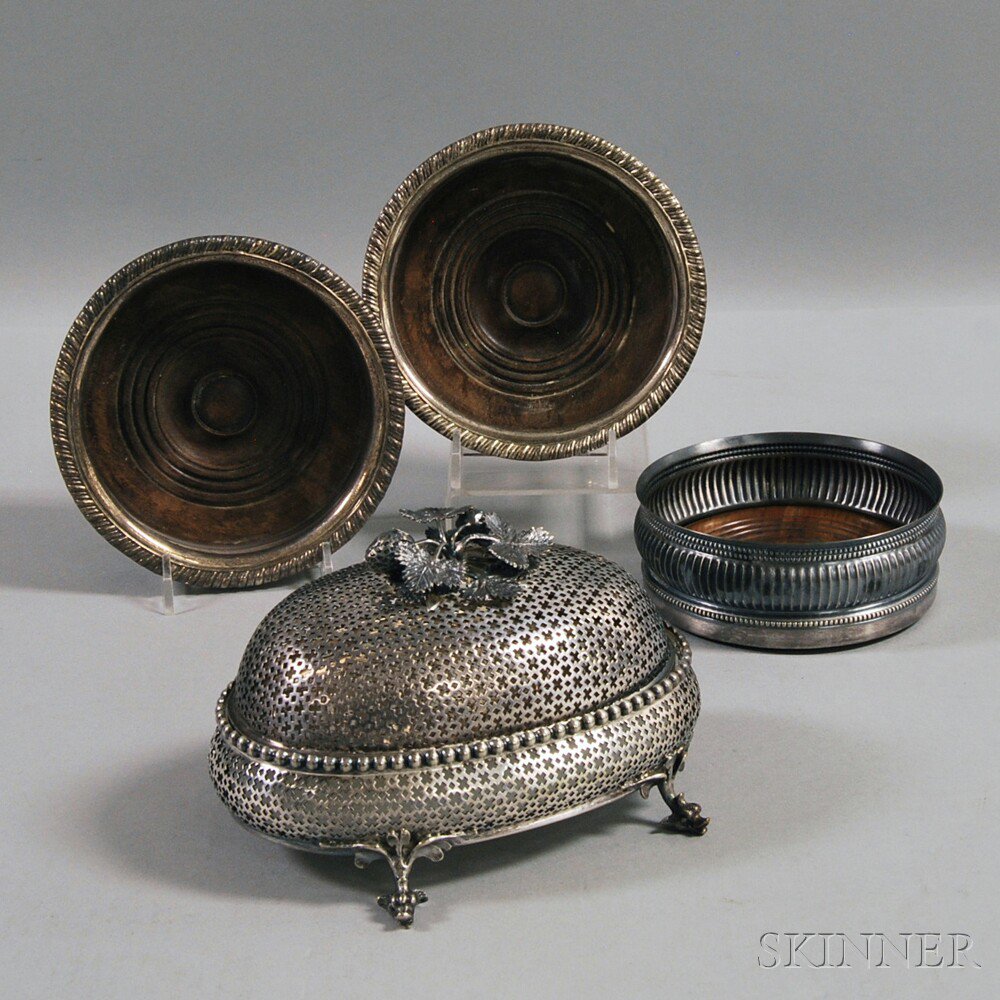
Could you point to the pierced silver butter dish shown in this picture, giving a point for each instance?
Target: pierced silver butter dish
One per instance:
(462, 685)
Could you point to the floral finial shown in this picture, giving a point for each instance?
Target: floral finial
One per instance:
(466, 551)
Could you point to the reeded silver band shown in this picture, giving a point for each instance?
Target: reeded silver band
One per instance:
(793, 632)
(790, 596)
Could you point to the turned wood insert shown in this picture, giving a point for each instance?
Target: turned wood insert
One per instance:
(226, 404)
(790, 524)
(540, 288)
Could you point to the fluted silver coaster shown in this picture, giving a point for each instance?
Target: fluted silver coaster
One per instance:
(790, 540)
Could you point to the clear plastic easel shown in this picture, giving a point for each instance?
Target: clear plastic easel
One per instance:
(586, 500)
(172, 591)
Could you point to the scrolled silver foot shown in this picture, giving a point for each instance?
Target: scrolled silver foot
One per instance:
(685, 817)
(400, 849)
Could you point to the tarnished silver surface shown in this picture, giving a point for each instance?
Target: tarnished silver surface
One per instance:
(811, 595)
(363, 719)
(348, 662)
(234, 520)
(517, 399)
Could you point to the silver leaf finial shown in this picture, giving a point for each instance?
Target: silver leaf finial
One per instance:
(473, 553)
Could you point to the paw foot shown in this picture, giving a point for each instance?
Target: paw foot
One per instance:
(402, 905)
(685, 817)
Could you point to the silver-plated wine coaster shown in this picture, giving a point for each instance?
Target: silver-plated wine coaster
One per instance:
(790, 541)
(540, 287)
(226, 406)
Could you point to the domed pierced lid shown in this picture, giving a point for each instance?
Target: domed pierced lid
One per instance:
(473, 631)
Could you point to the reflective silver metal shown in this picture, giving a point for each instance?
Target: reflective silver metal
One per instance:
(369, 718)
(803, 541)
(226, 406)
(540, 287)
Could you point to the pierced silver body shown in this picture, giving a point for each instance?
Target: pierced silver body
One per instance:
(364, 721)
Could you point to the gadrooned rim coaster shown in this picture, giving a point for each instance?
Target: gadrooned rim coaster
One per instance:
(229, 404)
(477, 310)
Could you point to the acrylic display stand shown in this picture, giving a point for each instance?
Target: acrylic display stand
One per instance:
(586, 500)
(172, 590)
(611, 469)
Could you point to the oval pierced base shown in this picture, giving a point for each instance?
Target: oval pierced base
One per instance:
(409, 804)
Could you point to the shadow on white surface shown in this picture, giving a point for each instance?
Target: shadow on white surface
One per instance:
(48, 545)
(767, 781)
(965, 610)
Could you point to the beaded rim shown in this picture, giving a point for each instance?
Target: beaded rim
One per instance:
(410, 759)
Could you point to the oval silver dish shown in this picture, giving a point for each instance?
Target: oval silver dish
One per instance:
(383, 715)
